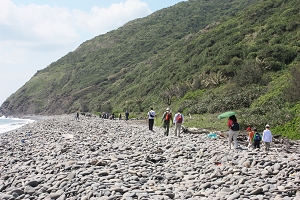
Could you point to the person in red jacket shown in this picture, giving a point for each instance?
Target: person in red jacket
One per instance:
(167, 117)
(250, 137)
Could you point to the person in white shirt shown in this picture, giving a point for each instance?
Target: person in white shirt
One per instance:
(178, 120)
(267, 137)
(151, 116)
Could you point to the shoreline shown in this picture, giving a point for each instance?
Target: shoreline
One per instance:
(94, 158)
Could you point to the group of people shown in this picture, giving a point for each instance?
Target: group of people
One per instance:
(254, 137)
(112, 116)
(167, 119)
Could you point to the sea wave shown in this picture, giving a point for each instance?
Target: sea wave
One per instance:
(9, 124)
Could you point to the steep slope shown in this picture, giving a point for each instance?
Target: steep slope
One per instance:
(89, 76)
(194, 45)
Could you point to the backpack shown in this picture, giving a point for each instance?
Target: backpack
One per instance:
(257, 137)
(168, 117)
(179, 118)
(151, 114)
(235, 126)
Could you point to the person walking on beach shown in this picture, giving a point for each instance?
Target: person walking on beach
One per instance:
(113, 116)
(126, 115)
(267, 137)
(250, 137)
(233, 131)
(167, 117)
(256, 139)
(178, 120)
(151, 116)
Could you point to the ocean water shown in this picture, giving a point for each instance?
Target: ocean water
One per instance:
(9, 124)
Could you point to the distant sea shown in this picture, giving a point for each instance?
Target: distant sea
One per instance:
(9, 124)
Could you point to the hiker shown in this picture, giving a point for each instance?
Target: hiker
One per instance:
(256, 138)
(151, 116)
(77, 115)
(233, 131)
(267, 137)
(126, 115)
(120, 116)
(250, 137)
(178, 120)
(167, 117)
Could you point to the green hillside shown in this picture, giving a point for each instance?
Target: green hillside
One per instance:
(203, 57)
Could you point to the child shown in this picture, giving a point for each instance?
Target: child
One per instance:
(267, 137)
(256, 139)
(250, 137)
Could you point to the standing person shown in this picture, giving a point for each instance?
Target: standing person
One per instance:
(233, 131)
(178, 120)
(120, 116)
(151, 116)
(267, 137)
(250, 137)
(77, 115)
(126, 115)
(256, 139)
(167, 117)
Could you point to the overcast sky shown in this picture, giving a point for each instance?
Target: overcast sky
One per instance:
(35, 33)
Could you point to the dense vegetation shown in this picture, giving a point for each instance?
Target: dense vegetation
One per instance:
(203, 57)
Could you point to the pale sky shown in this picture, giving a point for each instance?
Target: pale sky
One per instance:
(35, 33)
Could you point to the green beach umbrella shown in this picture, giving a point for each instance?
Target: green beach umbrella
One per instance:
(226, 114)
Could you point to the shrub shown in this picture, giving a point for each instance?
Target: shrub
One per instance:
(292, 92)
(249, 74)
(290, 129)
(231, 98)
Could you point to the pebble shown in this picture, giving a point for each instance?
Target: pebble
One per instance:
(93, 158)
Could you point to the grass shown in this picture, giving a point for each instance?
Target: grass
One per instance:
(206, 121)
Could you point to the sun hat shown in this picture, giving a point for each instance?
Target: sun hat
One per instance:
(255, 129)
(168, 109)
(267, 125)
(248, 129)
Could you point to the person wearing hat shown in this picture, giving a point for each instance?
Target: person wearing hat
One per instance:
(267, 137)
(167, 117)
(178, 120)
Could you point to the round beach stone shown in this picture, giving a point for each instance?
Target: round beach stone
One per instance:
(264, 172)
(247, 163)
(277, 166)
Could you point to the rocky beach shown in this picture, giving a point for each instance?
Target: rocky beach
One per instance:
(92, 158)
